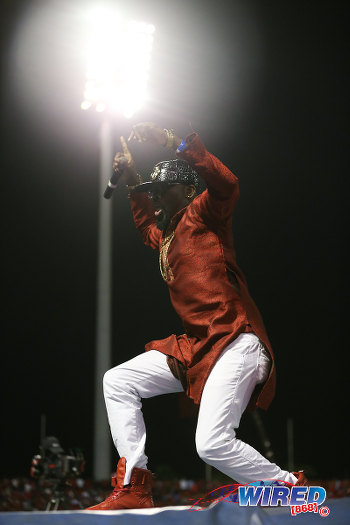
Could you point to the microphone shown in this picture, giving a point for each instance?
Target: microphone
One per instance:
(113, 181)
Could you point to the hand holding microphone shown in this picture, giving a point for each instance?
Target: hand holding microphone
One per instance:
(119, 165)
(123, 165)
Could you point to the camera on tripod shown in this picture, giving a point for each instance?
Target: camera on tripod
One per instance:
(56, 467)
(53, 464)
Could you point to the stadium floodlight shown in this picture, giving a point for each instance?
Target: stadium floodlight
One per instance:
(118, 59)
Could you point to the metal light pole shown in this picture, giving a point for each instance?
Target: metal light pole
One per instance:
(290, 443)
(119, 86)
(103, 357)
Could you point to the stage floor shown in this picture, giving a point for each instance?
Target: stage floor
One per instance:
(223, 513)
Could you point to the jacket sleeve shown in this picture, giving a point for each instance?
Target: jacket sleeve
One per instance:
(220, 197)
(145, 222)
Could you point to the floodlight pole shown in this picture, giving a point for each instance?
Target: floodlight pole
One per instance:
(290, 444)
(102, 438)
(98, 89)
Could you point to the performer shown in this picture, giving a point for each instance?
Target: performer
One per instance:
(224, 360)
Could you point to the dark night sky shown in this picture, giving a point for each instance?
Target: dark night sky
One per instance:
(264, 85)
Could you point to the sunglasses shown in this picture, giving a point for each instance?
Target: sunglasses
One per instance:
(161, 189)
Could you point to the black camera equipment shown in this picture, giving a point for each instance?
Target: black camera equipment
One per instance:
(56, 467)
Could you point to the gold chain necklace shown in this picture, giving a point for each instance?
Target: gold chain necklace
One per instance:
(164, 267)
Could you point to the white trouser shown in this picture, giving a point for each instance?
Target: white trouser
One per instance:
(241, 366)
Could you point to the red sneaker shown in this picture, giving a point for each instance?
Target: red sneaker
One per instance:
(301, 478)
(137, 495)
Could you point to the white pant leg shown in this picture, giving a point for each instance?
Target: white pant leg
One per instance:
(146, 375)
(242, 365)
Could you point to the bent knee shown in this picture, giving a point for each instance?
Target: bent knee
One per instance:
(207, 447)
(210, 446)
(203, 452)
(114, 378)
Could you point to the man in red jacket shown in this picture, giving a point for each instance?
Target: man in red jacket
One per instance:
(224, 361)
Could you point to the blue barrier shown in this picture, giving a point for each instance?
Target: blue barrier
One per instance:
(223, 513)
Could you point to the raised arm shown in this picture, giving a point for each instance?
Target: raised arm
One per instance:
(143, 213)
(222, 192)
(222, 185)
(141, 205)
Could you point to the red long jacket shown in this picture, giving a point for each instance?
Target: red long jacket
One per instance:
(207, 289)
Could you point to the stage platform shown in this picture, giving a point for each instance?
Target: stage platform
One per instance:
(223, 513)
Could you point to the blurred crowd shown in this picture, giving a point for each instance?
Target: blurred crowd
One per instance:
(27, 494)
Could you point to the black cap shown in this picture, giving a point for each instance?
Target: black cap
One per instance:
(51, 444)
(175, 171)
